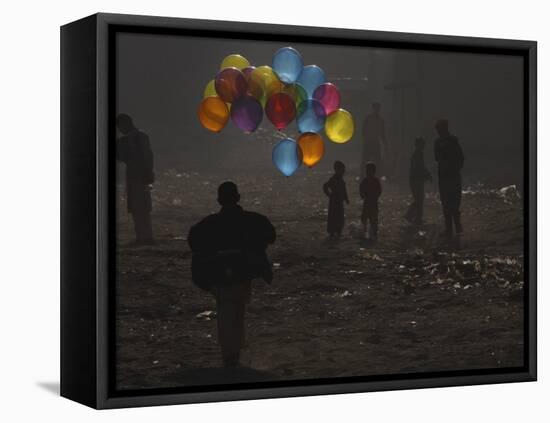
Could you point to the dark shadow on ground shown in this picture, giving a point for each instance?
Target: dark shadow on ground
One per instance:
(51, 387)
(367, 242)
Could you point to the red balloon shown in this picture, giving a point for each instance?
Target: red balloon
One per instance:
(230, 84)
(280, 110)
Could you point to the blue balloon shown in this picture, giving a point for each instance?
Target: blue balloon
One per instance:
(287, 156)
(287, 64)
(310, 116)
(311, 77)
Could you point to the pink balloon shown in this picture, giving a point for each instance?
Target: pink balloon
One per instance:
(328, 95)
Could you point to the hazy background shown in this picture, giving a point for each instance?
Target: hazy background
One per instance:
(161, 78)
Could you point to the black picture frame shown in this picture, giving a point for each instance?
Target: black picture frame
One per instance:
(87, 209)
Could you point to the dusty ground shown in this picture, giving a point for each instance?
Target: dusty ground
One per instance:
(411, 303)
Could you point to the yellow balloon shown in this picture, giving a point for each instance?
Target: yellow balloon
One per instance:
(339, 126)
(263, 82)
(210, 89)
(235, 61)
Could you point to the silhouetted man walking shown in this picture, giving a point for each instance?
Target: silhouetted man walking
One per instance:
(134, 150)
(229, 250)
(374, 142)
(450, 159)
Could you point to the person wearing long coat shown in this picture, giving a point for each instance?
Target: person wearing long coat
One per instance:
(134, 150)
(335, 190)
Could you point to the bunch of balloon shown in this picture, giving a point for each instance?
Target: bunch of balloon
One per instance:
(227, 97)
(287, 91)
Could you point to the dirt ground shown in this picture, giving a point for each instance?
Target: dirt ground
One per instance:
(411, 303)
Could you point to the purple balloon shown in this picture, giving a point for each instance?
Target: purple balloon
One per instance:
(329, 96)
(247, 71)
(247, 113)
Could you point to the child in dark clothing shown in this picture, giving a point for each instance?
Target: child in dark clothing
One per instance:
(335, 190)
(418, 175)
(370, 190)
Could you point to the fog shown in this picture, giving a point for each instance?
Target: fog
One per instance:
(161, 78)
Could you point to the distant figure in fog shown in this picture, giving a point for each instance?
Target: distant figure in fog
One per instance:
(229, 250)
(450, 160)
(370, 191)
(374, 143)
(418, 175)
(134, 150)
(335, 190)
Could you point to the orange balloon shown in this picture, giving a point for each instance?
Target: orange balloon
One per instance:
(213, 113)
(313, 148)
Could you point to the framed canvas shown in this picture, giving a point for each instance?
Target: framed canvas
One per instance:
(256, 211)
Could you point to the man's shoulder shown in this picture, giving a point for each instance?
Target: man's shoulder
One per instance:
(135, 135)
(252, 215)
(210, 219)
(257, 220)
(141, 133)
(450, 138)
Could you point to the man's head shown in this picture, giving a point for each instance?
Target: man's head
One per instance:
(419, 143)
(228, 194)
(370, 168)
(339, 167)
(124, 123)
(376, 107)
(442, 127)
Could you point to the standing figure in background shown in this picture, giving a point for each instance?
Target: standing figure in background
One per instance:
(370, 191)
(374, 143)
(418, 175)
(134, 150)
(229, 250)
(335, 190)
(450, 160)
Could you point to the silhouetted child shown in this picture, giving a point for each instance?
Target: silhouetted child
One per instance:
(370, 191)
(418, 175)
(335, 189)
